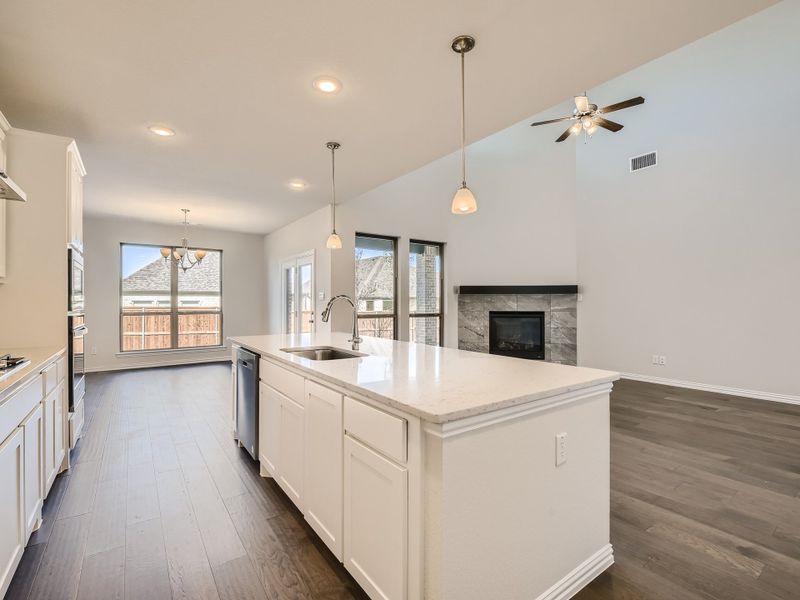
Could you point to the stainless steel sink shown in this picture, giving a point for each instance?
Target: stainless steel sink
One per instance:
(322, 352)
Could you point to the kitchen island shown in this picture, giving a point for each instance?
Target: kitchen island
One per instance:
(438, 473)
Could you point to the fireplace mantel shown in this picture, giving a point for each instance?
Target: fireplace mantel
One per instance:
(517, 289)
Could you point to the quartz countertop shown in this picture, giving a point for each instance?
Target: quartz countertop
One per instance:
(39, 356)
(436, 384)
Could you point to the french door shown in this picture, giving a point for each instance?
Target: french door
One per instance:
(297, 275)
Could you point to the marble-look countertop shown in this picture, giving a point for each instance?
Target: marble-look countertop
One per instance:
(39, 356)
(436, 384)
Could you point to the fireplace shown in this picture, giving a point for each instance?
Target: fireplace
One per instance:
(517, 333)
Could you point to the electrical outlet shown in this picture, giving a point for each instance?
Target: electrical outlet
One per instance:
(322, 294)
(655, 359)
(561, 449)
(662, 360)
(94, 349)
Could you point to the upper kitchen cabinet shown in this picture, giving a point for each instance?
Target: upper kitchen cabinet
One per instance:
(76, 172)
(38, 232)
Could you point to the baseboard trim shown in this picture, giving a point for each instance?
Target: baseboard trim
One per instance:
(719, 389)
(167, 362)
(581, 575)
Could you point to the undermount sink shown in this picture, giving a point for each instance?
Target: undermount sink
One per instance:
(322, 352)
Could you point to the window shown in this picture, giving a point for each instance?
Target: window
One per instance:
(376, 277)
(164, 308)
(425, 302)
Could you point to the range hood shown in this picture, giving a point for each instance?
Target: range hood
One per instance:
(10, 190)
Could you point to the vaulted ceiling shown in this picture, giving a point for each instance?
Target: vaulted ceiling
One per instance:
(233, 79)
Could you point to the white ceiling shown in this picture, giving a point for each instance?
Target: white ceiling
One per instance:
(233, 78)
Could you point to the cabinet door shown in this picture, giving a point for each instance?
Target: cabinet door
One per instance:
(233, 395)
(49, 438)
(12, 506)
(269, 423)
(291, 460)
(375, 521)
(323, 454)
(33, 454)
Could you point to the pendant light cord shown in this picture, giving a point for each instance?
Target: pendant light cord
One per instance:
(333, 182)
(463, 136)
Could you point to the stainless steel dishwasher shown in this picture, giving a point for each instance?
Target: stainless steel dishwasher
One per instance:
(247, 400)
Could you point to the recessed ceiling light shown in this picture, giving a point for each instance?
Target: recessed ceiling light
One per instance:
(297, 184)
(327, 85)
(161, 130)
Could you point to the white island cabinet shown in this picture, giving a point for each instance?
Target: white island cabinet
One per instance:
(433, 473)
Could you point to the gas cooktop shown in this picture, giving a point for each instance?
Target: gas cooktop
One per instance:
(11, 364)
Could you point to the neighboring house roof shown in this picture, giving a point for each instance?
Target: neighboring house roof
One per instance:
(374, 277)
(154, 276)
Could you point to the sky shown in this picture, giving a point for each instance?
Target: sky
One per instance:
(135, 257)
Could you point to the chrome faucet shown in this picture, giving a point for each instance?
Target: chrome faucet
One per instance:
(326, 314)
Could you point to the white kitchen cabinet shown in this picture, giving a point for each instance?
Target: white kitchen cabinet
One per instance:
(375, 521)
(292, 450)
(12, 506)
(33, 450)
(323, 464)
(233, 392)
(75, 175)
(269, 420)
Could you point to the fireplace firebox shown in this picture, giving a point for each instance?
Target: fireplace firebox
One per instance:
(517, 333)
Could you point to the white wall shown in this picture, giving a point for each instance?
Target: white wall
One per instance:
(698, 259)
(242, 287)
(523, 232)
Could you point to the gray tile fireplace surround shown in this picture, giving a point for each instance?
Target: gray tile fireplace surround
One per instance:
(560, 321)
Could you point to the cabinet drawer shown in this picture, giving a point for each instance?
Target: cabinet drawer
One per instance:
(288, 383)
(384, 432)
(61, 368)
(50, 378)
(16, 408)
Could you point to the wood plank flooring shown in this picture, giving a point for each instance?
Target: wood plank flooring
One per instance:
(161, 503)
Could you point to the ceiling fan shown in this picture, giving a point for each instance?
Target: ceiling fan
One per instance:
(588, 117)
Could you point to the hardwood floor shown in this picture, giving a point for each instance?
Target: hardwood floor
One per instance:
(705, 497)
(161, 503)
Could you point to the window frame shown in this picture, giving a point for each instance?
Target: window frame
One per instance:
(173, 310)
(439, 314)
(395, 308)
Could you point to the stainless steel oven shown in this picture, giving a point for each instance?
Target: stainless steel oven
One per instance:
(75, 281)
(77, 371)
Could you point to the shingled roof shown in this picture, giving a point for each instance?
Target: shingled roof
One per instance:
(154, 276)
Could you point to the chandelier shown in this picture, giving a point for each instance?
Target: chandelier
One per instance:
(182, 256)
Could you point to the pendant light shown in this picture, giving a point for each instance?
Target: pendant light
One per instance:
(334, 241)
(464, 202)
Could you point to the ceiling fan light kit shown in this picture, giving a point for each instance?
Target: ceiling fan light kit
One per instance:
(588, 117)
(464, 202)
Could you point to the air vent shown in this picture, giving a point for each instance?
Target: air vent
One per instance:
(643, 162)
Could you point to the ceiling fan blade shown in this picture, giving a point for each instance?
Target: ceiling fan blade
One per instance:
(565, 135)
(552, 121)
(620, 105)
(582, 103)
(606, 124)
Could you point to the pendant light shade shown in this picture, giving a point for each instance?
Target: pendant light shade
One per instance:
(464, 202)
(334, 241)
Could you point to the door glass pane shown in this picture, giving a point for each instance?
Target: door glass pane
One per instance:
(306, 300)
(375, 285)
(424, 330)
(289, 285)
